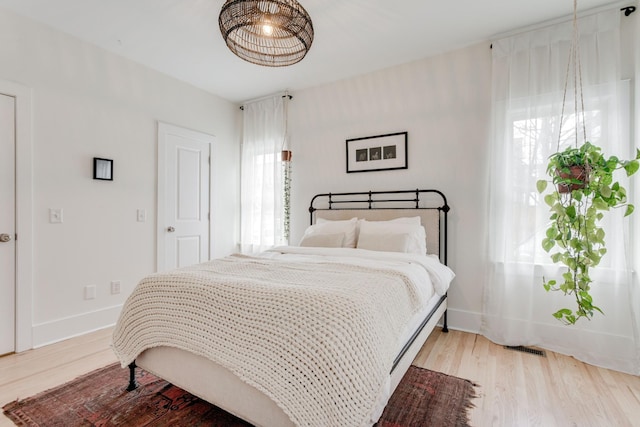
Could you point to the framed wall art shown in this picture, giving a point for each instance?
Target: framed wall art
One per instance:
(102, 169)
(377, 153)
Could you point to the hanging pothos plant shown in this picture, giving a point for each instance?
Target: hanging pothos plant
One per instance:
(286, 175)
(584, 188)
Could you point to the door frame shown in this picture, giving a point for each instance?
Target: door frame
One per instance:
(24, 212)
(163, 129)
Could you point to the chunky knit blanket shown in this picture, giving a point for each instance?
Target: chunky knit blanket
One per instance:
(319, 338)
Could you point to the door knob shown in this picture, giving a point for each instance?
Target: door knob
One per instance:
(4, 238)
(171, 229)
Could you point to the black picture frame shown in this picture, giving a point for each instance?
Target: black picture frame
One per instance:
(378, 153)
(102, 169)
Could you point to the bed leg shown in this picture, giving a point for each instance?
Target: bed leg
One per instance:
(132, 377)
(445, 329)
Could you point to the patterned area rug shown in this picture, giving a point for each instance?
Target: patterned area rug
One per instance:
(423, 398)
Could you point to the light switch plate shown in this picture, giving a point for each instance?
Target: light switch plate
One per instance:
(55, 215)
(142, 215)
(115, 287)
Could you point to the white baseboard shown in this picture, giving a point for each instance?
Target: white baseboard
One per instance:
(465, 321)
(73, 326)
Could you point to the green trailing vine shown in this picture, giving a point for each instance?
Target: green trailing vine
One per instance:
(286, 165)
(578, 203)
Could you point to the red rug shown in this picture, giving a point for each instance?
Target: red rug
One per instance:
(423, 398)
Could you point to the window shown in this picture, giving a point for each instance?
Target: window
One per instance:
(532, 138)
(262, 223)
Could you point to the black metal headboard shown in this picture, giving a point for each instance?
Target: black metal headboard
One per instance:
(430, 205)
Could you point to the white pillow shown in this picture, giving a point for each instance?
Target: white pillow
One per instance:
(405, 220)
(390, 242)
(323, 240)
(417, 236)
(323, 226)
(402, 220)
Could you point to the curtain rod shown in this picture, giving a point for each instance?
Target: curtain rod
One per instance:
(628, 10)
(284, 95)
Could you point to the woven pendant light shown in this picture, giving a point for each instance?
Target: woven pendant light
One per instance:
(274, 33)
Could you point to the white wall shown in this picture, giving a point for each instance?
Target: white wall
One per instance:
(444, 104)
(89, 103)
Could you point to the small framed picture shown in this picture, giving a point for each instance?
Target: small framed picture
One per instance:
(377, 153)
(102, 169)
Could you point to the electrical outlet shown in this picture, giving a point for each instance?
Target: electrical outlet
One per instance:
(115, 287)
(90, 292)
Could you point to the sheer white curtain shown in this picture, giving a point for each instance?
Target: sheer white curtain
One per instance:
(529, 72)
(264, 132)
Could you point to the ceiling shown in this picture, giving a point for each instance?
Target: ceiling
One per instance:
(352, 37)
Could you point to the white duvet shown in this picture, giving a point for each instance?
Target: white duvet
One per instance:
(314, 329)
(439, 275)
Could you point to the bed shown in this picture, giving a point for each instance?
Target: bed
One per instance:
(316, 334)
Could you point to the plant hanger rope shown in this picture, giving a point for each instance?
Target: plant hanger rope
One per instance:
(574, 56)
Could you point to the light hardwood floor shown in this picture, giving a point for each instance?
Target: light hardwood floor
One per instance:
(516, 389)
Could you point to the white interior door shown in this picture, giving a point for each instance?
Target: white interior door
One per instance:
(7, 225)
(183, 196)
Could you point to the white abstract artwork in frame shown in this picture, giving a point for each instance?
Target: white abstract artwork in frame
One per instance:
(102, 169)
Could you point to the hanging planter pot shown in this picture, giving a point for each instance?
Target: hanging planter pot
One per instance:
(286, 155)
(571, 168)
(573, 177)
